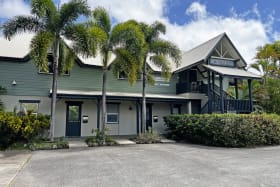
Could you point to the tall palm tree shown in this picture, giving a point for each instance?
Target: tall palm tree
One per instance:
(49, 23)
(124, 40)
(161, 53)
(2, 91)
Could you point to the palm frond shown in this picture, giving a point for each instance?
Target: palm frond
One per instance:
(20, 24)
(157, 28)
(125, 62)
(69, 12)
(163, 64)
(40, 45)
(166, 48)
(130, 36)
(43, 8)
(79, 36)
(150, 76)
(256, 67)
(101, 19)
(66, 59)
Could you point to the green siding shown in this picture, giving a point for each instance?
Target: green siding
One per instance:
(31, 83)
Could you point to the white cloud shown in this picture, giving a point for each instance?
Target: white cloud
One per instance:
(197, 10)
(10, 8)
(140, 10)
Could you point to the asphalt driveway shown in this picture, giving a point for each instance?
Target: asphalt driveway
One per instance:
(153, 165)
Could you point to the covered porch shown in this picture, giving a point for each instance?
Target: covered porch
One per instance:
(220, 101)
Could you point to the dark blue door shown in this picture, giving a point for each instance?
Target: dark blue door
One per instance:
(73, 119)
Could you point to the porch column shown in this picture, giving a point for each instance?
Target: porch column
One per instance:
(222, 94)
(189, 107)
(137, 118)
(209, 93)
(213, 82)
(250, 94)
(98, 113)
(236, 88)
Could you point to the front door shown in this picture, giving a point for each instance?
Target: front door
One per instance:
(149, 121)
(73, 119)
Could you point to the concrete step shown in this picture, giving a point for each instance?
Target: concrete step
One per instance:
(77, 144)
(122, 141)
(164, 140)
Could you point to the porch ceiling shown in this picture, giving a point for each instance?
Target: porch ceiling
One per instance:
(121, 95)
(232, 72)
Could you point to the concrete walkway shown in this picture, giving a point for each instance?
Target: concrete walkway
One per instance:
(11, 162)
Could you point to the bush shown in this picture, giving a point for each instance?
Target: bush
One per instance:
(48, 145)
(15, 128)
(148, 138)
(228, 130)
(99, 138)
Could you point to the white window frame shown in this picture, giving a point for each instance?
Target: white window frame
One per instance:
(116, 113)
(24, 110)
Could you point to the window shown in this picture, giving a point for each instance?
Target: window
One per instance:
(50, 66)
(122, 76)
(176, 109)
(112, 113)
(160, 81)
(29, 105)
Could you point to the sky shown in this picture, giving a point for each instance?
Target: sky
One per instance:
(248, 23)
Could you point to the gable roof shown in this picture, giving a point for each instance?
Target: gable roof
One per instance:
(17, 47)
(202, 52)
(199, 53)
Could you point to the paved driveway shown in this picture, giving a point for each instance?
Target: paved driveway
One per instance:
(153, 165)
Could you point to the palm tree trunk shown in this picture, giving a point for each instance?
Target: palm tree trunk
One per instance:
(104, 107)
(144, 97)
(54, 88)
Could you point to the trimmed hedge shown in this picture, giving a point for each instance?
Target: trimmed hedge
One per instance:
(227, 130)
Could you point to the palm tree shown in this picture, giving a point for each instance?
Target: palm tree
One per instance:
(50, 24)
(159, 52)
(124, 40)
(2, 91)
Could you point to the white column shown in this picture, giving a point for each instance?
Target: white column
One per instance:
(189, 107)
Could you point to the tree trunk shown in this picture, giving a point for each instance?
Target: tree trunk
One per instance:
(54, 88)
(104, 107)
(144, 97)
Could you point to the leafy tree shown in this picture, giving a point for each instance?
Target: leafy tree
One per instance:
(50, 24)
(267, 63)
(124, 40)
(159, 52)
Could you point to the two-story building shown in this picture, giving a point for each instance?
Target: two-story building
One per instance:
(199, 85)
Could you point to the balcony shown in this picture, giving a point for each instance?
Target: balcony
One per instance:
(191, 87)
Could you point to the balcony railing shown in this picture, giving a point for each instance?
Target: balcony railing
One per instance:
(191, 87)
(231, 105)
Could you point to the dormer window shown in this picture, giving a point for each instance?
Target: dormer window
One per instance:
(122, 76)
(50, 66)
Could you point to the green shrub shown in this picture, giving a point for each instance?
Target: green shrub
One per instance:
(48, 145)
(99, 138)
(229, 130)
(15, 128)
(148, 138)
